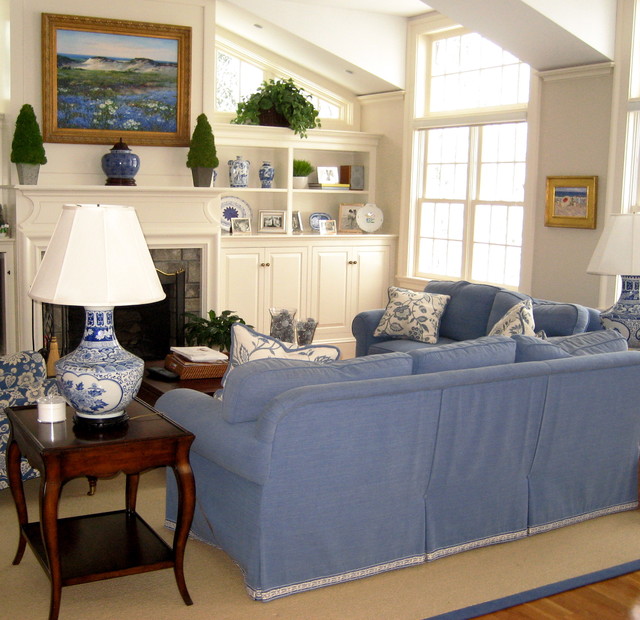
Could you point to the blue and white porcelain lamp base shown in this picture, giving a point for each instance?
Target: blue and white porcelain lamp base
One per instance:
(624, 315)
(100, 378)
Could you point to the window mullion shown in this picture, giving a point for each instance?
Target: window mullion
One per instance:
(473, 180)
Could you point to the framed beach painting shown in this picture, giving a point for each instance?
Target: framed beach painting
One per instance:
(571, 202)
(106, 79)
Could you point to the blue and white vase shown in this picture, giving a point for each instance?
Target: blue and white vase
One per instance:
(120, 165)
(238, 172)
(266, 174)
(624, 315)
(100, 378)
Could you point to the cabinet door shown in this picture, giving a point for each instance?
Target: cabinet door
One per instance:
(330, 292)
(285, 282)
(371, 276)
(241, 284)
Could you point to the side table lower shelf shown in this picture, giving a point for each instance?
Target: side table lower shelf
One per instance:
(103, 545)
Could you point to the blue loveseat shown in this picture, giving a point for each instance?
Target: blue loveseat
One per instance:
(308, 475)
(471, 312)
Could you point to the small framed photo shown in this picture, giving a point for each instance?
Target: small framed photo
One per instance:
(296, 222)
(327, 227)
(328, 175)
(571, 202)
(347, 218)
(272, 221)
(240, 226)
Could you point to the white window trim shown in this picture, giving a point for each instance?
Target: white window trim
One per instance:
(419, 30)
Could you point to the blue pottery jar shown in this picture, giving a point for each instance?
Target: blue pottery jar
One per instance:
(266, 174)
(120, 165)
(238, 172)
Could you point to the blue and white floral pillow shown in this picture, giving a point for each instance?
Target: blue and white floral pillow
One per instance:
(412, 315)
(517, 320)
(248, 344)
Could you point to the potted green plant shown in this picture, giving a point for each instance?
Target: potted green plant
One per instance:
(280, 103)
(301, 170)
(27, 148)
(212, 331)
(202, 157)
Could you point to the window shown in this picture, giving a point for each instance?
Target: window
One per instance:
(469, 162)
(239, 74)
(630, 184)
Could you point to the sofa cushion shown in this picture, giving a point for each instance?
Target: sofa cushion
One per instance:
(517, 320)
(413, 315)
(601, 341)
(485, 351)
(248, 344)
(250, 387)
(560, 319)
(467, 313)
(533, 349)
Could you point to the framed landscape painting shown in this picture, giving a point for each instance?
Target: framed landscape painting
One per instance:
(106, 79)
(571, 202)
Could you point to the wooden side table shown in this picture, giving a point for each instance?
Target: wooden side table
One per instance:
(104, 545)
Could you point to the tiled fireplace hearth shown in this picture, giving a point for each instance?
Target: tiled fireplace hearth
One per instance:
(174, 221)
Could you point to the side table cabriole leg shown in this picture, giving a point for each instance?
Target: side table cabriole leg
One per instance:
(186, 508)
(17, 491)
(49, 498)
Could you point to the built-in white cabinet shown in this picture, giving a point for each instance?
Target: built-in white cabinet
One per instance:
(254, 278)
(328, 278)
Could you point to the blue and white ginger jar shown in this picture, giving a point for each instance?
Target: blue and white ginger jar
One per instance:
(238, 172)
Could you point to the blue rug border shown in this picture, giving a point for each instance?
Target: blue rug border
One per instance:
(480, 609)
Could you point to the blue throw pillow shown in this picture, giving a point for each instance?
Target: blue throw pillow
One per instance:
(485, 351)
(250, 387)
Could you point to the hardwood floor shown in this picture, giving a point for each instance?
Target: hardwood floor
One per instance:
(607, 600)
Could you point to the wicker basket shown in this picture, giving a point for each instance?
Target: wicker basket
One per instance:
(194, 370)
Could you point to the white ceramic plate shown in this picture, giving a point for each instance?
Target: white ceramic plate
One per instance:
(316, 218)
(230, 207)
(369, 217)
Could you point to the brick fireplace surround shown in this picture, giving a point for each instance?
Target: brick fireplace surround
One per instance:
(174, 222)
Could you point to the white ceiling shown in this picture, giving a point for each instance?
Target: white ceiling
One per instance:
(402, 8)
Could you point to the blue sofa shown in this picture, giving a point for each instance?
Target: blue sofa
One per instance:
(311, 475)
(471, 312)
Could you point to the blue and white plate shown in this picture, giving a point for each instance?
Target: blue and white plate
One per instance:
(230, 207)
(316, 218)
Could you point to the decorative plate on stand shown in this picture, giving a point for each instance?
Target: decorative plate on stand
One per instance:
(316, 218)
(369, 217)
(230, 207)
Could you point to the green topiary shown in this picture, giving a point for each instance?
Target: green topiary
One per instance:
(27, 146)
(285, 99)
(202, 150)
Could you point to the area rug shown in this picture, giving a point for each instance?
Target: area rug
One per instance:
(460, 586)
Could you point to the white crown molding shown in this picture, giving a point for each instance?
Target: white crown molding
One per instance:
(568, 73)
(378, 97)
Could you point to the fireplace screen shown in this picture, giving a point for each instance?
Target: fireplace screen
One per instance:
(148, 330)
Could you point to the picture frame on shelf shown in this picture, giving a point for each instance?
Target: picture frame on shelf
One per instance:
(272, 222)
(328, 175)
(136, 68)
(240, 226)
(347, 218)
(296, 222)
(571, 202)
(327, 227)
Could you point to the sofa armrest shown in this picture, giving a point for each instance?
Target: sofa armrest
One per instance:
(363, 326)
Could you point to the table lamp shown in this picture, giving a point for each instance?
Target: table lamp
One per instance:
(618, 253)
(98, 258)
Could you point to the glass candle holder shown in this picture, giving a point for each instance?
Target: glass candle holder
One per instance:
(283, 326)
(305, 331)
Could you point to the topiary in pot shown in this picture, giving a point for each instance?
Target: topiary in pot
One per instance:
(202, 156)
(284, 99)
(214, 331)
(27, 148)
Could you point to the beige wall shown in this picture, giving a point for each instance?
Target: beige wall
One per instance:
(575, 116)
(383, 114)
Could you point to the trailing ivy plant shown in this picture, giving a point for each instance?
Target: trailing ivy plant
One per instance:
(213, 331)
(284, 98)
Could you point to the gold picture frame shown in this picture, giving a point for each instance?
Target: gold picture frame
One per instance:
(106, 79)
(571, 202)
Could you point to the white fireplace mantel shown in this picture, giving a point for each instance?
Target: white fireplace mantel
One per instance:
(171, 217)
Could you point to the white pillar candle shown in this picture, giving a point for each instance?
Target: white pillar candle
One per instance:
(52, 408)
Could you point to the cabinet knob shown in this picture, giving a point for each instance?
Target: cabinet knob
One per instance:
(353, 262)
